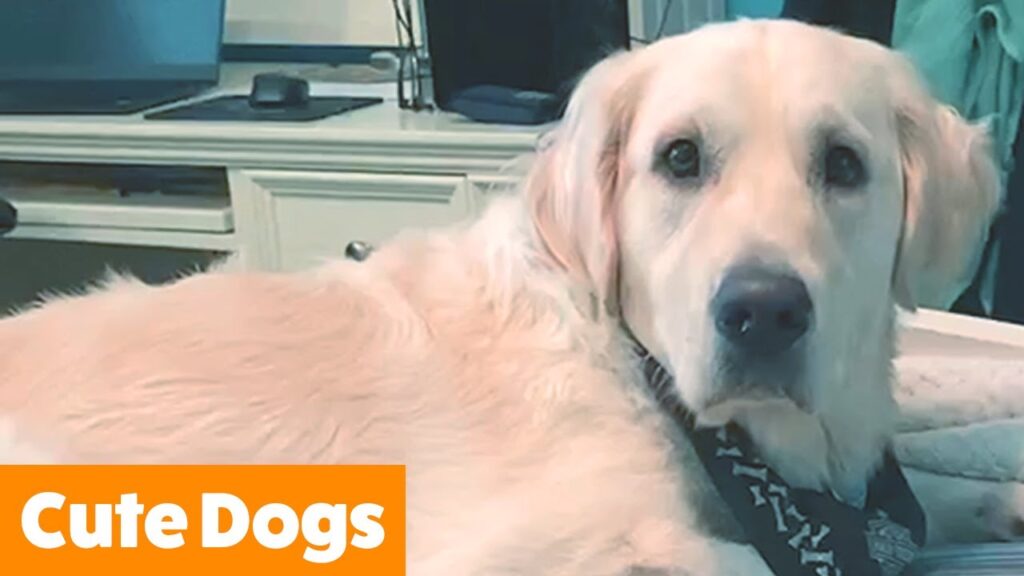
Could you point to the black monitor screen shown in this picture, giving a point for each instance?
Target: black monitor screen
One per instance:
(110, 39)
(527, 44)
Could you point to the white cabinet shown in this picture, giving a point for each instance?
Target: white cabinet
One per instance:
(299, 192)
(294, 219)
(154, 220)
(485, 187)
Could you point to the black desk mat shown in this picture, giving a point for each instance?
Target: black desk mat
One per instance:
(237, 109)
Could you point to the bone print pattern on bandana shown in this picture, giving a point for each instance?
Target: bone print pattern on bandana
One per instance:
(803, 535)
(802, 532)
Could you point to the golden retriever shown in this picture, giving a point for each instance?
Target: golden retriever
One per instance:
(750, 201)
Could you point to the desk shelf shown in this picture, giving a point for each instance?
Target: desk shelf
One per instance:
(197, 222)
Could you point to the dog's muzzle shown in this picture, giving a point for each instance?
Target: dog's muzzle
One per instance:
(761, 316)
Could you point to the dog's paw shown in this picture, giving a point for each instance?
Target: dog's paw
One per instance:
(667, 549)
(1002, 513)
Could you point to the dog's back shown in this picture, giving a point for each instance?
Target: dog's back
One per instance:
(188, 372)
(497, 407)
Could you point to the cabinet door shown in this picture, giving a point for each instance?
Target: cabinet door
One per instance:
(290, 220)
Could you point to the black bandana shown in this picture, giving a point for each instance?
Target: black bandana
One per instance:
(802, 532)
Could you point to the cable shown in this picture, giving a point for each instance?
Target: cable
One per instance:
(408, 58)
(404, 20)
(398, 24)
(417, 86)
(664, 19)
(399, 29)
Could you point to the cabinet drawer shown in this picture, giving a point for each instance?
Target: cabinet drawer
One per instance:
(302, 218)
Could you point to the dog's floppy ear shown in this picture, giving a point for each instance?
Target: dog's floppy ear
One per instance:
(952, 191)
(571, 189)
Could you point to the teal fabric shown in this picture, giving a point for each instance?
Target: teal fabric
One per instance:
(970, 51)
(753, 8)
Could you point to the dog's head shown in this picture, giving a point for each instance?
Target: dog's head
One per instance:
(752, 198)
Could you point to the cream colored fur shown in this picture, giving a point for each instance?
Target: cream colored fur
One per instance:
(491, 358)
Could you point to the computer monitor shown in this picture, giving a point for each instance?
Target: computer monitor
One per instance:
(536, 45)
(135, 51)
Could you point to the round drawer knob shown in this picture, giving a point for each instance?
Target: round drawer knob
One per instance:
(358, 251)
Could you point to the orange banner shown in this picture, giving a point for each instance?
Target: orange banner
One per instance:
(192, 520)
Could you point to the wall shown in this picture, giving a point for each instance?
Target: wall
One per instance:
(371, 22)
(358, 22)
(755, 8)
(679, 16)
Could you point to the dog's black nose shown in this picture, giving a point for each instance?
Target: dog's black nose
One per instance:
(760, 311)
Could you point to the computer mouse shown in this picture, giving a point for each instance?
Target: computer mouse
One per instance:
(278, 91)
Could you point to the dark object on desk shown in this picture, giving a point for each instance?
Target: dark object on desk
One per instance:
(536, 45)
(106, 56)
(238, 109)
(501, 105)
(8, 217)
(278, 91)
(272, 98)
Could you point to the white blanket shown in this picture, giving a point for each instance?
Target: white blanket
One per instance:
(961, 441)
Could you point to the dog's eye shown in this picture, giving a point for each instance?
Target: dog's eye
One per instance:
(843, 168)
(682, 159)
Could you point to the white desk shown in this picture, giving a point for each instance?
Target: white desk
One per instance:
(301, 192)
(298, 191)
